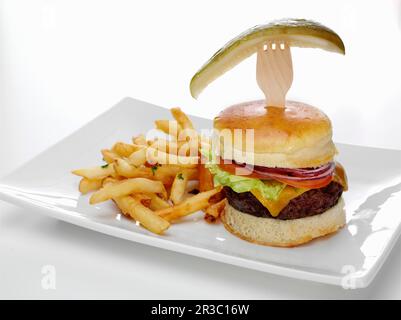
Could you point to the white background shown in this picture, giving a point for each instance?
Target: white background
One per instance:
(64, 62)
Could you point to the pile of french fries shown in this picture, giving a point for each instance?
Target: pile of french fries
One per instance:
(156, 182)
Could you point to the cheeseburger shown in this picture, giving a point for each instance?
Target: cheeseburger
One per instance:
(291, 193)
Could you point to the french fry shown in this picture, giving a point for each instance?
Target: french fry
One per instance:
(213, 212)
(178, 188)
(181, 148)
(187, 196)
(125, 169)
(86, 185)
(108, 181)
(95, 173)
(190, 205)
(163, 173)
(205, 178)
(169, 127)
(115, 175)
(139, 140)
(129, 206)
(126, 187)
(123, 149)
(165, 145)
(138, 158)
(188, 148)
(167, 173)
(136, 210)
(182, 118)
(157, 203)
(143, 198)
(110, 156)
(156, 156)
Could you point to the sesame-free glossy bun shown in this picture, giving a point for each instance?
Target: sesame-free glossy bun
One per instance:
(297, 136)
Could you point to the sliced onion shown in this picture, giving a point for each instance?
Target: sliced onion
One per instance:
(302, 174)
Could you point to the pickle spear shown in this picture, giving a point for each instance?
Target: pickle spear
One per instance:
(295, 32)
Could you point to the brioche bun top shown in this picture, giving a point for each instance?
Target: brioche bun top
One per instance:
(297, 136)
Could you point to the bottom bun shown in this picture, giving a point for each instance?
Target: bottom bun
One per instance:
(283, 233)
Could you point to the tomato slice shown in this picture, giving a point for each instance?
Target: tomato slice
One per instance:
(308, 184)
(236, 169)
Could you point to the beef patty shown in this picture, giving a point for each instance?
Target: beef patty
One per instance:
(310, 203)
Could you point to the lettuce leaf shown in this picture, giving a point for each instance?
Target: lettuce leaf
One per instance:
(270, 189)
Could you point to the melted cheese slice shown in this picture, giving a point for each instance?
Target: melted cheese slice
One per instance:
(285, 197)
(290, 193)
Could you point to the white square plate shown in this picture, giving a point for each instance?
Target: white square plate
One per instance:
(351, 257)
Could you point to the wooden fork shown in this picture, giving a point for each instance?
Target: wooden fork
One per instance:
(274, 72)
